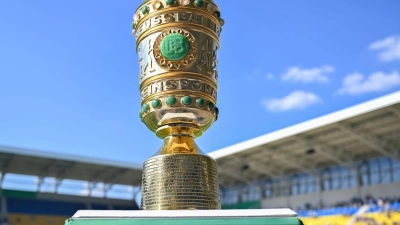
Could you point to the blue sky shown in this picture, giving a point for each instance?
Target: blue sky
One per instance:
(69, 71)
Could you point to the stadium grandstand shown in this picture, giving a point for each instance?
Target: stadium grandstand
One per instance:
(39, 188)
(341, 168)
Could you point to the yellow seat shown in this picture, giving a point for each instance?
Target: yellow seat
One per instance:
(343, 220)
(26, 219)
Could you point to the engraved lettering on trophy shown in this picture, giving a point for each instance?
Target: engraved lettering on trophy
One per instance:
(170, 84)
(205, 21)
(180, 84)
(208, 58)
(144, 93)
(196, 85)
(217, 29)
(146, 66)
(157, 87)
(156, 20)
(169, 17)
(146, 24)
(184, 84)
(182, 16)
(177, 17)
(194, 17)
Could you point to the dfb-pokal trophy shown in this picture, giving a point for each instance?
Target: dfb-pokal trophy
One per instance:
(177, 42)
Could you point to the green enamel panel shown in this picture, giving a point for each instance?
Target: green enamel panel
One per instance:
(174, 47)
(195, 221)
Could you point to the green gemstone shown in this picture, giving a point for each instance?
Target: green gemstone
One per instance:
(174, 47)
(145, 9)
(156, 103)
(211, 106)
(186, 100)
(218, 14)
(170, 2)
(140, 114)
(145, 108)
(199, 3)
(133, 25)
(171, 100)
(200, 102)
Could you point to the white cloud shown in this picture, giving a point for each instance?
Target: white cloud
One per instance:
(317, 74)
(388, 48)
(257, 71)
(270, 76)
(295, 100)
(357, 83)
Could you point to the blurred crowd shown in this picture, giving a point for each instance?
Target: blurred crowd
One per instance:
(383, 205)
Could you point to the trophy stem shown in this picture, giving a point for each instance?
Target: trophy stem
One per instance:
(180, 176)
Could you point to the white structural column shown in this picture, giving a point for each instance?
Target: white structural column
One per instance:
(57, 182)
(359, 180)
(40, 182)
(90, 187)
(3, 206)
(106, 188)
(2, 175)
(3, 199)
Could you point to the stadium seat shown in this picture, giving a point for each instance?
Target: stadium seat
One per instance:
(26, 219)
(380, 218)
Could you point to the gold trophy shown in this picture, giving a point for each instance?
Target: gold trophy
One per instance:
(177, 42)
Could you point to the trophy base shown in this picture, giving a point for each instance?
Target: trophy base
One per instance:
(180, 176)
(180, 181)
(185, 217)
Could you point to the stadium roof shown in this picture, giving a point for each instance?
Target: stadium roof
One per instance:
(361, 132)
(46, 164)
(364, 131)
